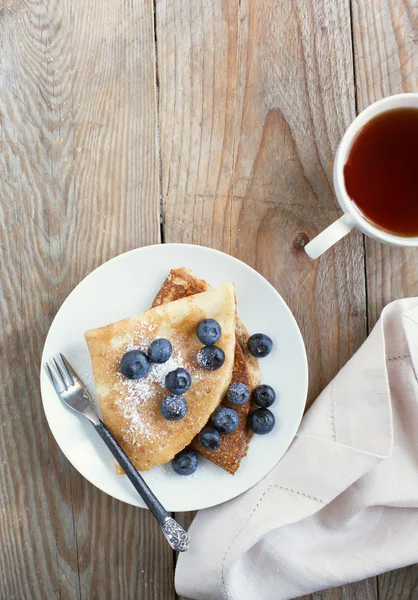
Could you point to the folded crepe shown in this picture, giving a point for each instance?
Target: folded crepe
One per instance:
(131, 408)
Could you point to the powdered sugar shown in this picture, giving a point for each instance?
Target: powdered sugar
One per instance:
(139, 391)
(143, 333)
(136, 403)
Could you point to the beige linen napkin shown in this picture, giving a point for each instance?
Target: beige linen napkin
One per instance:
(342, 504)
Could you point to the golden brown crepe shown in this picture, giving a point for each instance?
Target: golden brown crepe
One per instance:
(131, 408)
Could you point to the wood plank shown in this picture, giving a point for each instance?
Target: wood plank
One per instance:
(385, 39)
(79, 185)
(251, 112)
(283, 180)
(196, 55)
(197, 45)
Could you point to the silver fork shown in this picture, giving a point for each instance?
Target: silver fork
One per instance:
(74, 394)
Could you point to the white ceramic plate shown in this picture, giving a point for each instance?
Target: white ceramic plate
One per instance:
(127, 285)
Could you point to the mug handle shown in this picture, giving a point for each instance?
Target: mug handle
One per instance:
(329, 236)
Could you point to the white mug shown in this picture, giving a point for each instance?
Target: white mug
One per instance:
(352, 216)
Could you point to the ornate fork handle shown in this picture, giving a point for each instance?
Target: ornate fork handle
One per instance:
(175, 535)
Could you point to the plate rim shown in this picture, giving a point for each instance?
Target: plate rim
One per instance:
(253, 271)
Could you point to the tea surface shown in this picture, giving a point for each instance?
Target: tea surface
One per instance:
(381, 173)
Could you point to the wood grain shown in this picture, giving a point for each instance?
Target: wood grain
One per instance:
(385, 37)
(197, 45)
(251, 113)
(362, 590)
(79, 185)
(253, 99)
(401, 584)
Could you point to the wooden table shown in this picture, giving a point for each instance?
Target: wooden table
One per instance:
(124, 123)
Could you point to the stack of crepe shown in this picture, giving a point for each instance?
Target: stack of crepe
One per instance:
(131, 409)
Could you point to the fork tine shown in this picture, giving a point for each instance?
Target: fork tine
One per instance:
(64, 368)
(69, 368)
(63, 376)
(55, 379)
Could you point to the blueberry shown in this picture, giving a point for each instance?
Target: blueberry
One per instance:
(261, 421)
(208, 331)
(178, 381)
(211, 358)
(160, 351)
(238, 393)
(134, 365)
(264, 395)
(260, 345)
(185, 462)
(210, 438)
(225, 419)
(173, 408)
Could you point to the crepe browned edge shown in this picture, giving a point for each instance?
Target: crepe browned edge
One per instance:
(181, 283)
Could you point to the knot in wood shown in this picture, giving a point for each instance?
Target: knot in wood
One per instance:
(300, 239)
